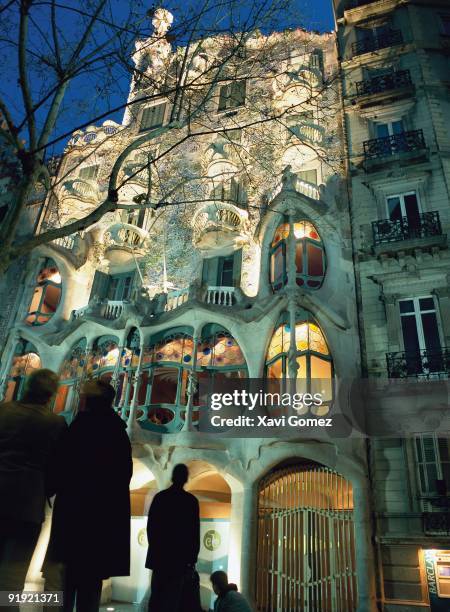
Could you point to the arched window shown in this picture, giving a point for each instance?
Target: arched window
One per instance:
(25, 360)
(163, 381)
(46, 296)
(219, 357)
(167, 363)
(72, 370)
(315, 365)
(309, 256)
(103, 357)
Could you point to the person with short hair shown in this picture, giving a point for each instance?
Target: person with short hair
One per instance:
(29, 435)
(173, 531)
(228, 597)
(90, 534)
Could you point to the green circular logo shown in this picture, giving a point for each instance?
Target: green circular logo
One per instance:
(212, 540)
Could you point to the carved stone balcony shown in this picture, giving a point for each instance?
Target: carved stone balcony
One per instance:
(84, 190)
(424, 230)
(220, 296)
(219, 227)
(104, 309)
(112, 309)
(427, 364)
(406, 144)
(123, 241)
(375, 43)
(310, 132)
(175, 299)
(292, 181)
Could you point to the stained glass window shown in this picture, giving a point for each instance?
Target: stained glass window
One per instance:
(309, 256)
(74, 363)
(26, 359)
(104, 354)
(315, 366)
(46, 295)
(219, 350)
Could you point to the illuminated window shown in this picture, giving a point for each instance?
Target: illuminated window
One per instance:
(25, 360)
(72, 369)
(167, 363)
(103, 356)
(315, 366)
(309, 256)
(46, 295)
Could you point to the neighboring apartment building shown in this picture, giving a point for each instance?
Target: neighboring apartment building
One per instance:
(395, 61)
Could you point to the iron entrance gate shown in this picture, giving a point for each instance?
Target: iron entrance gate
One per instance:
(306, 542)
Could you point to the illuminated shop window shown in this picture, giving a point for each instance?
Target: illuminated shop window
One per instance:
(315, 365)
(309, 256)
(26, 359)
(46, 295)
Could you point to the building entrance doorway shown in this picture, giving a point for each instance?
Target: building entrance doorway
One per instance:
(306, 541)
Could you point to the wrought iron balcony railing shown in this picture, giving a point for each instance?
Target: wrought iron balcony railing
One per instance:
(424, 225)
(404, 142)
(374, 43)
(433, 363)
(385, 82)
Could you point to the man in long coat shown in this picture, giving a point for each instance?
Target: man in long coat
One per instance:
(29, 435)
(90, 535)
(173, 531)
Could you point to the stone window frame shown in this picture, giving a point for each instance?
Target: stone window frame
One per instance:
(145, 107)
(390, 187)
(393, 318)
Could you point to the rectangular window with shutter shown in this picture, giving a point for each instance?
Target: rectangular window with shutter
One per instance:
(433, 460)
(88, 172)
(232, 95)
(153, 117)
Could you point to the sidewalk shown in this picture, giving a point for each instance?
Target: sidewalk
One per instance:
(120, 607)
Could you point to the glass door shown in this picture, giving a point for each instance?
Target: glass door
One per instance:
(421, 337)
(404, 209)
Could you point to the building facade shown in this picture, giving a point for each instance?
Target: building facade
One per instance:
(305, 248)
(395, 65)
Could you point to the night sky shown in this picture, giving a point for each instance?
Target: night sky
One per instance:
(105, 87)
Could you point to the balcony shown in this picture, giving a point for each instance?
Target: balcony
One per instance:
(375, 43)
(220, 296)
(123, 241)
(427, 364)
(384, 84)
(406, 144)
(176, 298)
(84, 190)
(219, 227)
(426, 225)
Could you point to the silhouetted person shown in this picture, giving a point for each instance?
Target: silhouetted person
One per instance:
(90, 534)
(173, 531)
(29, 434)
(228, 598)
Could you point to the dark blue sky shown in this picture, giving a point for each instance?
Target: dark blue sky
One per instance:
(105, 86)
